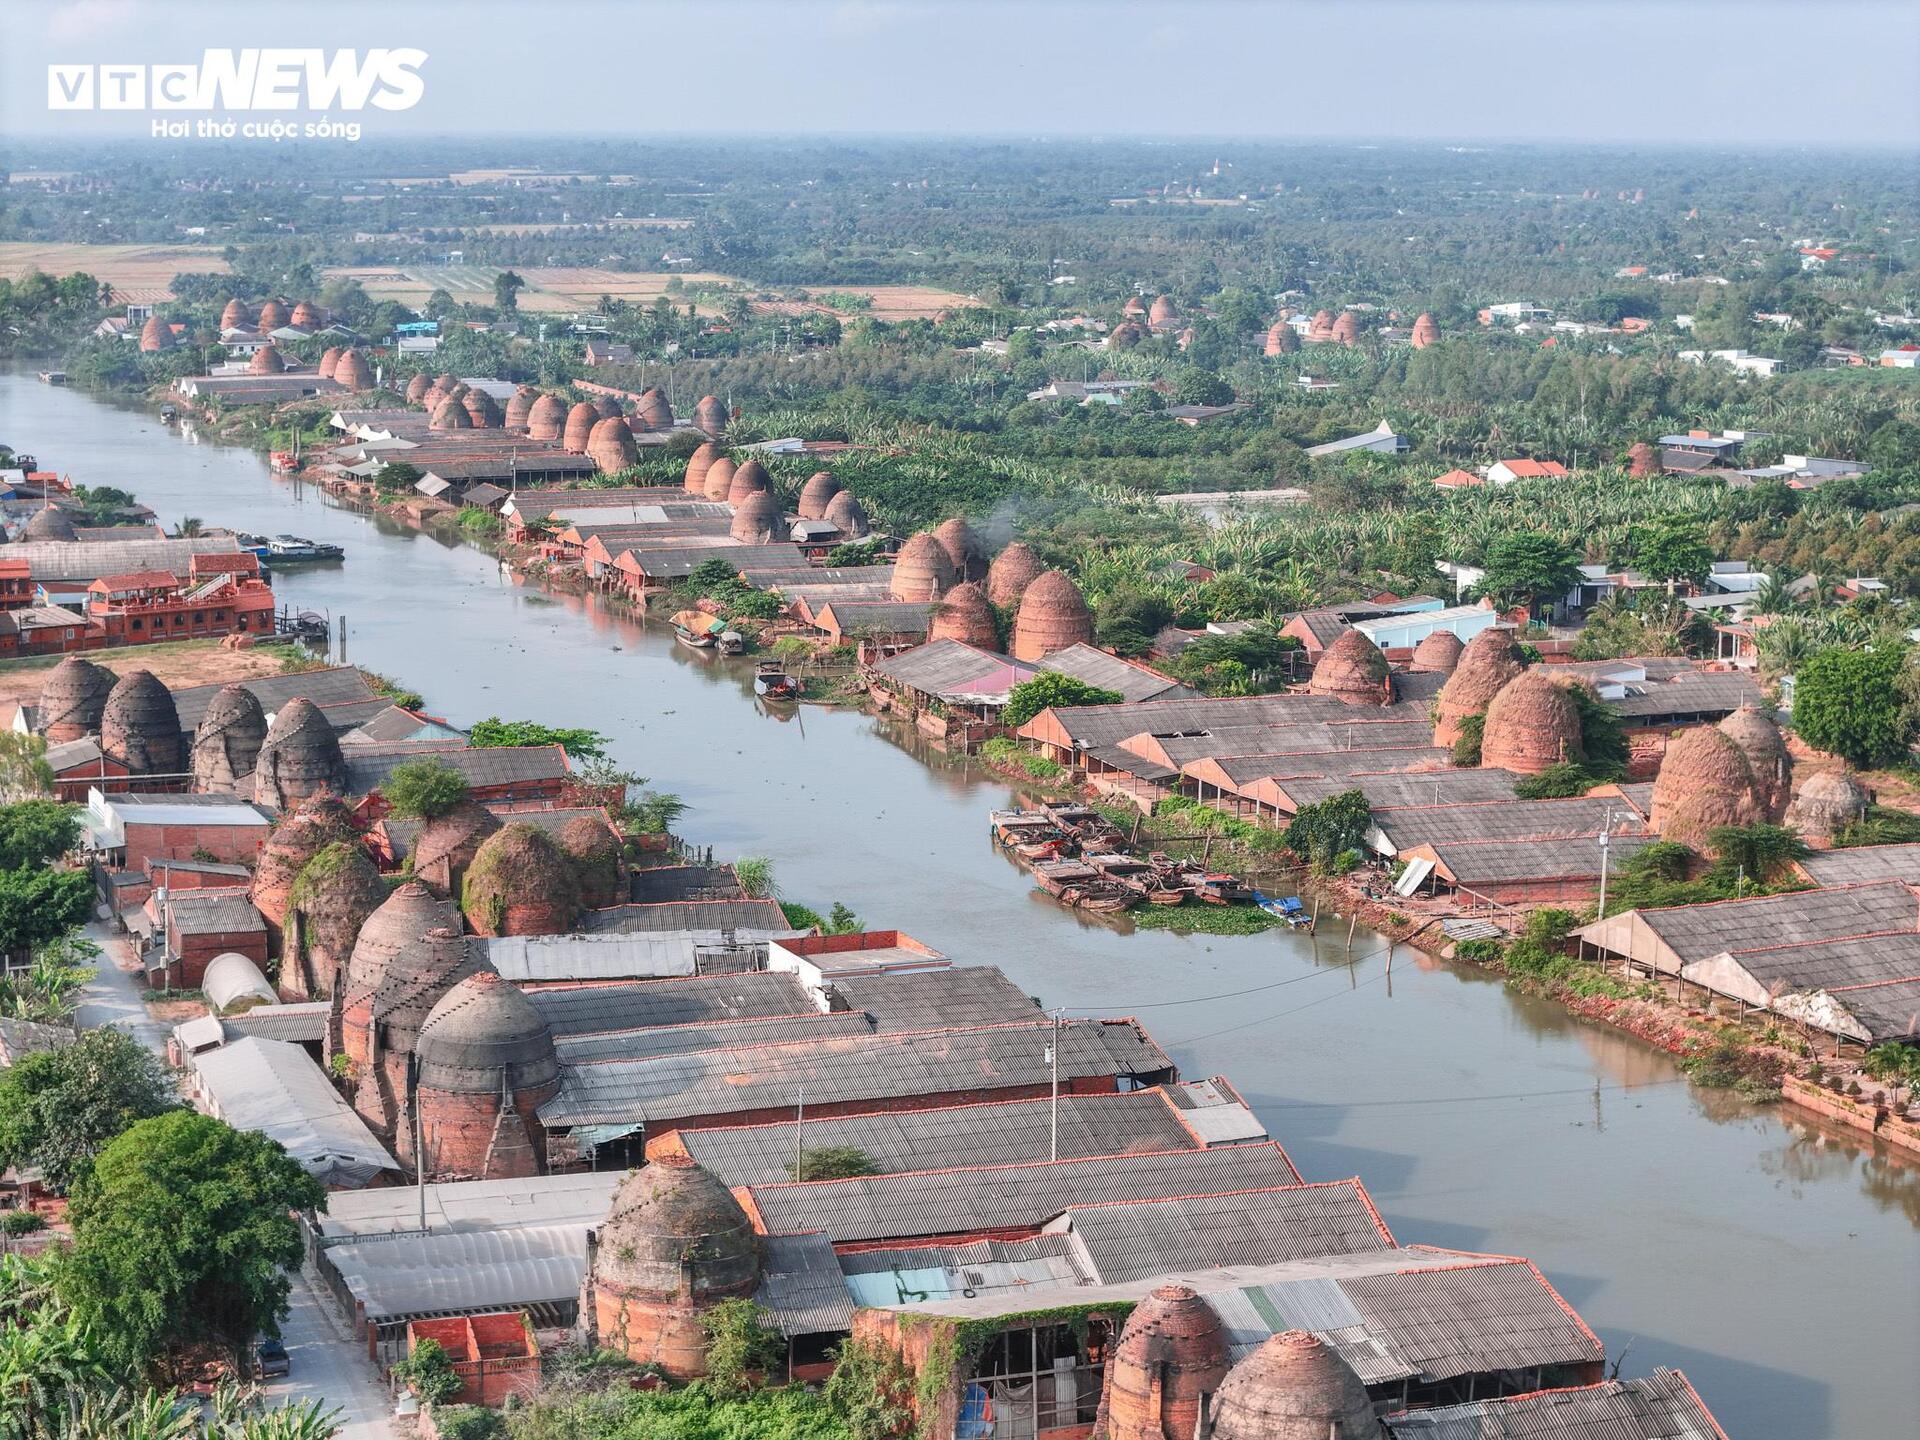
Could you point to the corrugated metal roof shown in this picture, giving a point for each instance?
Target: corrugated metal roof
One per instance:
(1851, 866)
(1835, 964)
(463, 1273)
(277, 1089)
(758, 920)
(1491, 862)
(89, 560)
(1690, 692)
(473, 1206)
(1449, 1322)
(1109, 672)
(1429, 787)
(1284, 1221)
(1407, 826)
(872, 1068)
(591, 1009)
(958, 1202)
(955, 1135)
(1693, 932)
(302, 1023)
(582, 1049)
(661, 883)
(965, 995)
(903, 1275)
(953, 669)
(592, 957)
(1660, 1406)
(212, 912)
(802, 1287)
(1887, 1011)
(368, 766)
(344, 685)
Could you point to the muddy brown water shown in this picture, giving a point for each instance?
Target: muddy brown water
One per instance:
(1775, 1263)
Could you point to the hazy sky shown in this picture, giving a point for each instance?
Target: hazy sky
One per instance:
(1817, 72)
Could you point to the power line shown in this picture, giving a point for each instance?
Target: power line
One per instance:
(1223, 995)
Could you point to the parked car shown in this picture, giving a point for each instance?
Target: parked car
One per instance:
(270, 1358)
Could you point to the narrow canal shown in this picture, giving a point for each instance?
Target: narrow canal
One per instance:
(1776, 1265)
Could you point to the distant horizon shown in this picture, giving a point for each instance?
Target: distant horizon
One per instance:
(1595, 73)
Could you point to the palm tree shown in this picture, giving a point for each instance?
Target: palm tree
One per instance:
(188, 527)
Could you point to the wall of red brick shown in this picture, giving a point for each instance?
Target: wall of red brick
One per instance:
(191, 953)
(230, 844)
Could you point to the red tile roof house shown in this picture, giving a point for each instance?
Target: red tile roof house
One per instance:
(1505, 472)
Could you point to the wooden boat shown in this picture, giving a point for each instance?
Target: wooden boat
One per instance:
(1290, 910)
(1076, 883)
(1220, 888)
(1087, 825)
(697, 629)
(1019, 827)
(285, 549)
(732, 642)
(771, 682)
(1124, 870)
(53, 377)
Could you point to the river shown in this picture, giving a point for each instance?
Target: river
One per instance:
(1774, 1263)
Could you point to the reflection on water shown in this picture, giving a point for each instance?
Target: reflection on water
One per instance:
(1775, 1263)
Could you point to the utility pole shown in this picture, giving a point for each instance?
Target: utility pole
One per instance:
(1053, 1063)
(799, 1131)
(419, 1144)
(1606, 850)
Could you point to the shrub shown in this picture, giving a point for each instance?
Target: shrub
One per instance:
(421, 789)
(21, 1222)
(428, 1371)
(1051, 690)
(831, 1162)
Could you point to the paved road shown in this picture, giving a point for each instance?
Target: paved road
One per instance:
(329, 1365)
(112, 997)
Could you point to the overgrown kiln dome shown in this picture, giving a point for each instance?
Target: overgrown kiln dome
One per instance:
(447, 843)
(417, 387)
(330, 360)
(451, 415)
(155, 335)
(1531, 725)
(298, 837)
(749, 479)
(711, 416)
(1012, 571)
(140, 728)
(1425, 332)
(698, 464)
(675, 1232)
(1642, 459)
(1293, 1387)
(719, 480)
(963, 614)
(73, 699)
(1829, 801)
(301, 757)
(267, 360)
(234, 316)
(1125, 336)
(305, 316)
(227, 743)
(547, 419)
(756, 519)
(963, 548)
(1760, 741)
(1163, 310)
(607, 408)
(1704, 782)
(1353, 671)
(590, 844)
(654, 409)
(1053, 615)
(520, 884)
(334, 894)
(484, 1037)
(1438, 654)
(1281, 339)
(519, 406)
(482, 409)
(847, 515)
(579, 428)
(273, 315)
(922, 570)
(816, 495)
(1488, 662)
(352, 371)
(49, 522)
(1171, 1353)
(610, 446)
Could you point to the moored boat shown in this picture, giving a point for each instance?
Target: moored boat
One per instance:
(771, 682)
(697, 629)
(732, 642)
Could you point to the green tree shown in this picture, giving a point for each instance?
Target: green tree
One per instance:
(1672, 550)
(36, 832)
(183, 1234)
(428, 1372)
(1528, 568)
(421, 789)
(741, 1345)
(24, 772)
(1195, 386)
(831, 1162)
(60, 1108)
(1848, 703)
(396, 476)
(579, 743)
(1050, 690)
(506, 292)
(38, 907)
(1756, 852)
(1322, 832)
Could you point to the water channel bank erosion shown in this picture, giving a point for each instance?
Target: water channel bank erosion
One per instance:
(1774, 1262)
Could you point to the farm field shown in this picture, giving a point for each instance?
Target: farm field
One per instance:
(138, 273)
(549, 288)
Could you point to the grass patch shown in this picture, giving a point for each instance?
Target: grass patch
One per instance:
(1013, 755)
(1205, 919)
